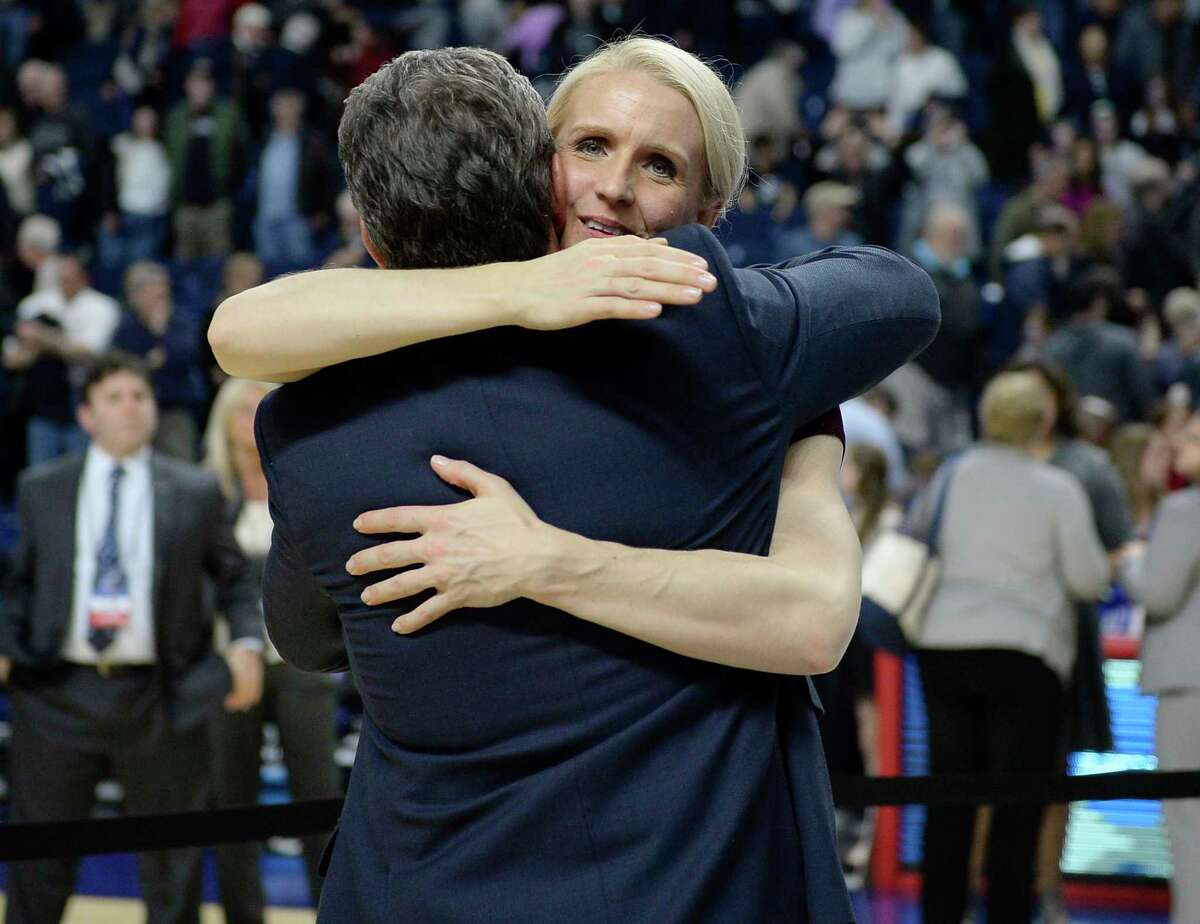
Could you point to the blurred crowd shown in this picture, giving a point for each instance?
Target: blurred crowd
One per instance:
(1040, 160)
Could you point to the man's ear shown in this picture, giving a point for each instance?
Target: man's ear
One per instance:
(558, 193)
(370, 244)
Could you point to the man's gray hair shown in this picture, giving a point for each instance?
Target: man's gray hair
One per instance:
(447, 158)
(41, 232)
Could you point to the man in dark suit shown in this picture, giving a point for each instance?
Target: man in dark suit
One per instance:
(106, 640)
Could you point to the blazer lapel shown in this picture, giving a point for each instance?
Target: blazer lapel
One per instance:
(164, 500)
(61, 509)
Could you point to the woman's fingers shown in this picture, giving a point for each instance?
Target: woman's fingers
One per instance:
(388, 555)
(395, 520)
(399, 586)
(463, 474)
(630, 245)
(431, 610)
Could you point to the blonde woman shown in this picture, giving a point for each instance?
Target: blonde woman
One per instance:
(1018, 545)
(302, 705)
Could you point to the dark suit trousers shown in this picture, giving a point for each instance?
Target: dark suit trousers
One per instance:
(69, 729)
(303, 706)
(989, 711)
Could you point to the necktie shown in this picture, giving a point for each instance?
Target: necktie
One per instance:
(110, 595)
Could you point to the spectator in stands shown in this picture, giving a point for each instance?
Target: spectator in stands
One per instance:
(297, 183)
(1154, 39)
(349, 250)
(994, 664)
(1020, 214)
(1015, 122)
(935, 390)
(168, 342)
(1156, 125)
(1154, 257)
(849, 727)
(137, 228)
(206, 141)
(867, 39)
(1087, 725)
(1179, 358)
(1167, 581)
(242, 271)
(946, 168)
(856, 159)
(16, 163)
(1083, 186)
(253, 67)
(1040, 269)
(60, 331)
(1092, 77)
(64, 160)
(827, 207)
(867, 421)
(301, 704)
(768, 97)
(38, 240)
(139, 69)
(922, 71)
(1101, 358)
(1142, 456)
(1039, 59)
(108, 666)
(1119, 157)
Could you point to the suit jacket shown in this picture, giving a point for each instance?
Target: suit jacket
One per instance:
(516, 763)
(196, 562)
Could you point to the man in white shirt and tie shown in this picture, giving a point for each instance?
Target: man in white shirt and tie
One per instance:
(106, 640)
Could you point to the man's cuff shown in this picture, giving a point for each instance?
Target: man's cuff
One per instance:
(250, 642)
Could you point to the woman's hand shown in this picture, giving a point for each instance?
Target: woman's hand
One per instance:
(620, 277)
(478, 553)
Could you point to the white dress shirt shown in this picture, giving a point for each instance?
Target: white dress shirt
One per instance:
(133, 644)
(90, 318)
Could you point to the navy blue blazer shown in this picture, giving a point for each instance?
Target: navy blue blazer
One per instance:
(519, 764)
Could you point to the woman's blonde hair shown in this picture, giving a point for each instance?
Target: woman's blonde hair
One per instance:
(217, 454)
(720, 123)
(1014, 408)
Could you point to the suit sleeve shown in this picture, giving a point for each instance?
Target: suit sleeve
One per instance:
(302, 621)
(826, 327)
(232, 576)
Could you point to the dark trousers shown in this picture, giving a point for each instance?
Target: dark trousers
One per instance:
(989, 711)
(69, 729)
(303, 706)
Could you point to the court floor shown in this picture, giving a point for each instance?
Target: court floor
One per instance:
(107, 886)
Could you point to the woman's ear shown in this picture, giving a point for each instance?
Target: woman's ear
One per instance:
(708, 216)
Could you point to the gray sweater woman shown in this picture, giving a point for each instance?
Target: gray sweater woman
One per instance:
(1018, 544)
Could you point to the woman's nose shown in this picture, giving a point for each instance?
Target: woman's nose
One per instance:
(615, 184)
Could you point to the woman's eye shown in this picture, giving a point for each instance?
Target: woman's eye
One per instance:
(661, 167)
(590, 146)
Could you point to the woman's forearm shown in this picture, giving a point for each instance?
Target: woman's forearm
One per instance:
(790, 613)
(729, 608)
(294, 325)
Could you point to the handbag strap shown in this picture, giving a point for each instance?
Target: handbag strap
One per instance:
(933, 540)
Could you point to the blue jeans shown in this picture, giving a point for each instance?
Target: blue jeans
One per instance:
(49, 439)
